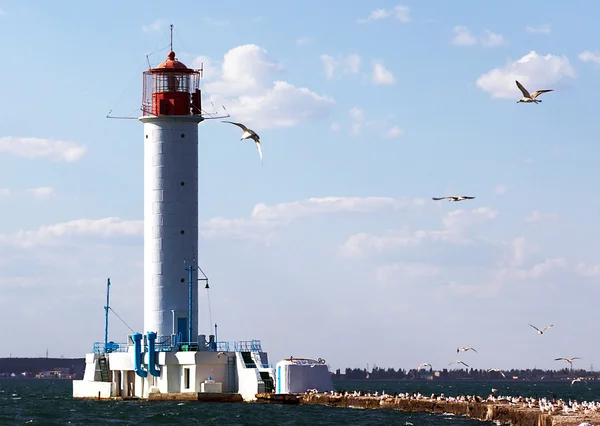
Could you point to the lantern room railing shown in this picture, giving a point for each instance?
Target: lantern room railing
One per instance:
(170, 82)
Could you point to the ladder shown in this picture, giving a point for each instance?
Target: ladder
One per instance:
(103, 369)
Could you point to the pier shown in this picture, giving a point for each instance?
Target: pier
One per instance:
(504, 412)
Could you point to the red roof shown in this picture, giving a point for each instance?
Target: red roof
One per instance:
(172, 65)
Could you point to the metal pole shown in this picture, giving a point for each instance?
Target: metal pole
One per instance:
(106, 315)
(190, 305)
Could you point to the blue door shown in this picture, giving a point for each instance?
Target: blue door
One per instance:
(182, 330)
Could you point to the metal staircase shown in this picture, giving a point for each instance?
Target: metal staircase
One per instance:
(103, 366)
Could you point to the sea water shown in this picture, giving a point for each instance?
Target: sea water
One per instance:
(50, 402)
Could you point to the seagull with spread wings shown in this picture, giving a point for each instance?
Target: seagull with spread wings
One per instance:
(468, 348)
(424, 364)
(497, 370)
(569, 360)
(543, 329)
(579, 379)
(457, 362)
(453, 198)
(249, 134)
(529, 98)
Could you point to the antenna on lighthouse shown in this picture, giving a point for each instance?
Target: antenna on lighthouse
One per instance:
(171, 44)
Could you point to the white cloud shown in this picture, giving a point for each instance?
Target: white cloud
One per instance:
(455, 223)
(500, 189)
(38, 147)
(55, 234)
(464, 37)
(400, 271)
(266, 217)
(520, 249)
(534, 71)
(358, 117)
(356, 113)
(359, 122)
(209, 70)
(335, 127)
(536, 271)
(344, 64)
(381, 75)
(393, 132)
(537, 216)
(542, 29)
(586, 270)
(43, 192)
(399, 13)
(303, 41)
(589, 56)
(154, 27)
(246, 87)
(4, 192)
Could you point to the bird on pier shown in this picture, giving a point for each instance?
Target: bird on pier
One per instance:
(249, 134)
(497, 370)
(569, 360)
(424, 364)
(543, 329)
(468, 348)
(458, 362)
(529, 98)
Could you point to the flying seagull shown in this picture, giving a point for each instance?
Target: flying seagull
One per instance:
(569, 360)
(424, 364)
(497, 371)
(579, 379)
(543, 329)
(460, 348)
(458, 362)
(454, 198)
(249, 134)
(527, 98)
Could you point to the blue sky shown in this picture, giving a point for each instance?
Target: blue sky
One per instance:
(333, 248)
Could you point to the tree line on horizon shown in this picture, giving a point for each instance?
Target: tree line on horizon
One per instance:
(390, 373)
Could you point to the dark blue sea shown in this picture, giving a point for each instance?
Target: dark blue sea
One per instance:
(50, 402)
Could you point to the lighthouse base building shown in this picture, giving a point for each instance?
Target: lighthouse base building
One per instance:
(171, 357)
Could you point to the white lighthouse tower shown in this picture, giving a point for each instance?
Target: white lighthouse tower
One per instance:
(171, 113)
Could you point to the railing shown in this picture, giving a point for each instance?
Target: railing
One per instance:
(171, 342)
(110, 347)
(240, 346)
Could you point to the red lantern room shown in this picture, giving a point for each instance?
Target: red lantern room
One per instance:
(171, 89)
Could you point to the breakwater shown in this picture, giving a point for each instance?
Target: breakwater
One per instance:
(503, 412)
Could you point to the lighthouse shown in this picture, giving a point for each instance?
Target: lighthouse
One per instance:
(170, 358)
(171, 113)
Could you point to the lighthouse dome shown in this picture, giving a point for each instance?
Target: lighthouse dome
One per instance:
(172, 64)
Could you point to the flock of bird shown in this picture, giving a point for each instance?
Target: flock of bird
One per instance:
(497, 370)
(546, 405)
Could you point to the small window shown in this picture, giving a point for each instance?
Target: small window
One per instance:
(146, 136)
(182, 232)
(182, 280)
(182, 184)
(183, 135)
(186, 378)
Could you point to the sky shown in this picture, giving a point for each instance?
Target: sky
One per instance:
(333, 248)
